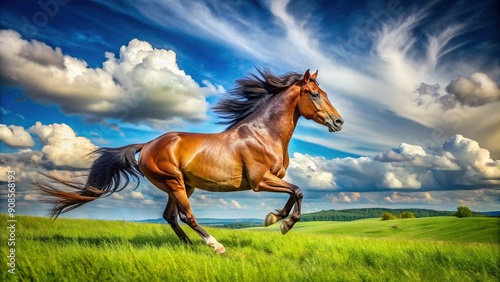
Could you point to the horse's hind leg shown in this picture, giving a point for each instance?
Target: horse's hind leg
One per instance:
(170, 215)
(180, 194)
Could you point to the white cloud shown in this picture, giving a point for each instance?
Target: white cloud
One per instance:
(470, 156)
(148, 202)
(15, 136)
(211, 89)
(207, 200)
(27, 166)
(32, 197)
(305, 170)
(417, 157)
(412, 198)
(400, 179)
(118, 196)
(137, 195)
(474, 91)
(141, 84)
(411, 150)
(41, 54)
(460, 163)
(478, 200)
(4, 172)
(202, 199)
(62, 147)
(236, 204)
(344, 197)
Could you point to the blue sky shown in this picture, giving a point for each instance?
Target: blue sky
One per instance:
(417, 83)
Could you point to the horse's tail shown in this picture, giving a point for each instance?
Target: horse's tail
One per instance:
(110, 172)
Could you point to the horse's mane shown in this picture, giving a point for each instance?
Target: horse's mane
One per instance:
(251, 93)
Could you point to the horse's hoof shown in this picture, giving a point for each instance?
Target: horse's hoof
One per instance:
(271, 218)
(284, 228)
(220, 250)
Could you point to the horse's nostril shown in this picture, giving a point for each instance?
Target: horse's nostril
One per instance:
(339, 122)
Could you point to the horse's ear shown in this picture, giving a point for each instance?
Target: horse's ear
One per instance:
(307, 75)
(315, 75)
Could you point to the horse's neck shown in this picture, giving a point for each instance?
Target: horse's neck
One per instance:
(280, 115)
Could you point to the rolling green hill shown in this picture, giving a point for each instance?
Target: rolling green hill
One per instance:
(364, 250)
(471, 229)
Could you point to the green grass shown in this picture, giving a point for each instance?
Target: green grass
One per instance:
(91, 250)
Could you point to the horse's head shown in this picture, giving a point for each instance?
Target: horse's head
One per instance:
(314, 104)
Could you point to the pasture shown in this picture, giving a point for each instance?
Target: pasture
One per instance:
(424, 249)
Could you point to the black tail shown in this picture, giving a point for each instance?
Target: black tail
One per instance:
(109, 173)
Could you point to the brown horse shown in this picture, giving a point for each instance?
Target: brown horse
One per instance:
(252, 153)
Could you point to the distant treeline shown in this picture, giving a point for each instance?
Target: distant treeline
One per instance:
(350, 215)
(355, 214)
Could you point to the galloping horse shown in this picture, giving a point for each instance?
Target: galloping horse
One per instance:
(252, 153)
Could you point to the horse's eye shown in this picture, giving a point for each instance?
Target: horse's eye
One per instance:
(315, 95)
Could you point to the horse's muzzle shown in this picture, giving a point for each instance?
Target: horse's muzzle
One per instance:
(334, 124)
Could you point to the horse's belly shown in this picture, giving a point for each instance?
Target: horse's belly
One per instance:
(217, 176)
(216, 183)
(225, 187)
(214, 168)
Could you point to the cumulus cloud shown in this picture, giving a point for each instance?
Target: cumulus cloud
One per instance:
(203, 199)
(344, 197)
(411, 197)
(460, 163)
(24, 163)
(41, 54)
(15, 136)
(137, 195)
(305, 169)
(416, 156)
(4, 170)
(467, 153)
(62, 147)
(141, 84)
(400, 179)
(474, 91)
(478, 200)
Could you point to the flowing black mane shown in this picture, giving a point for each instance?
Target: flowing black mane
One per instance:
(251, 93)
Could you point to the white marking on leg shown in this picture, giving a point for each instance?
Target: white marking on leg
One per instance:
(212, 242)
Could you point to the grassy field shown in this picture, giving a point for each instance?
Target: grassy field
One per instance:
(366, 250)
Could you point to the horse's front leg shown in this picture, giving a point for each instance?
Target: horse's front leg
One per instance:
(272, 183)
